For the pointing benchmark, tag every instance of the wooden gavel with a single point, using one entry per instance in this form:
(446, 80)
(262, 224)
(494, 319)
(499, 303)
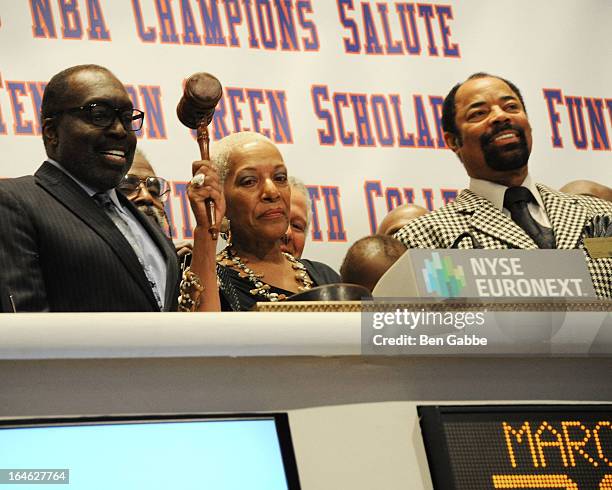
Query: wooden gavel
(195, 110)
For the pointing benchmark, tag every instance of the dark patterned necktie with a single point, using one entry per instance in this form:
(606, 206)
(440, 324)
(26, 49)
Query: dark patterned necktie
(515, 201)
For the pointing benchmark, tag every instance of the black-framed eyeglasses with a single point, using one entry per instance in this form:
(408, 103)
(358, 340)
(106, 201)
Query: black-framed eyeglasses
(102, 115)
(156, 186)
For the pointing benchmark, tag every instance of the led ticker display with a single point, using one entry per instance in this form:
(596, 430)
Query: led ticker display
(519, 447)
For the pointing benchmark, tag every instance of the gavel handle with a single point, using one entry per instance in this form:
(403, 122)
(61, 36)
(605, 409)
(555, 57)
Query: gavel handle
(203, 141)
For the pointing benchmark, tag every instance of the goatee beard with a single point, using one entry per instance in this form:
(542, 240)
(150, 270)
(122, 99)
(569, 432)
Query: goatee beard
(156, 215)
(506, 157)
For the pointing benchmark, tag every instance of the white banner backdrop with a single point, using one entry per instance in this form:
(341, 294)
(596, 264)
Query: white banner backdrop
(350, 90)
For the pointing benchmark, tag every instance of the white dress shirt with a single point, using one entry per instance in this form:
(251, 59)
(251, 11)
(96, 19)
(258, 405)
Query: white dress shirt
(494, 193)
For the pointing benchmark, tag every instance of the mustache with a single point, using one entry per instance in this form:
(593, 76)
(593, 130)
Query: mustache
(488, 137)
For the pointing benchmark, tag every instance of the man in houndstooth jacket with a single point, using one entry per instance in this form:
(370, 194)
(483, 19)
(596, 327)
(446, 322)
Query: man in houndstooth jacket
(486, 125)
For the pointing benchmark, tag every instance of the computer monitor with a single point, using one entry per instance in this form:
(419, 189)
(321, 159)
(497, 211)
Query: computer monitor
(183, 452)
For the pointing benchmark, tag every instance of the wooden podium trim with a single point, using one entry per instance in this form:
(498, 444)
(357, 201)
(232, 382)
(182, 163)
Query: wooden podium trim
(435, 304)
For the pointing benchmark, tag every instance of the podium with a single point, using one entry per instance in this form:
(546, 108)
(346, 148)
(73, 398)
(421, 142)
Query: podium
(353, 417)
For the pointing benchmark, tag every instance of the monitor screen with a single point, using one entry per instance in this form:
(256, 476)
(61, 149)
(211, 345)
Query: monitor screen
(519, 446)
(179, 452)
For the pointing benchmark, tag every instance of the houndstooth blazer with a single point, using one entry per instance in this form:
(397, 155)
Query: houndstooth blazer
(491, 229)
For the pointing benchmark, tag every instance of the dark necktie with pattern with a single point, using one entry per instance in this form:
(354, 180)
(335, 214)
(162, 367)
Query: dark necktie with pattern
(515, 201)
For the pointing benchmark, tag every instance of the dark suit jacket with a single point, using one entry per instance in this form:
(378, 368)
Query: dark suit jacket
(59, 251)
(470, 213)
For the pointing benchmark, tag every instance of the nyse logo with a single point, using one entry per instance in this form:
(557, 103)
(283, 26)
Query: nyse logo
(442, 277)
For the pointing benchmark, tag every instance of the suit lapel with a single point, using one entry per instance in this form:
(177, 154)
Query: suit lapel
(164, 244)
(76, 200)
(485, 217)
(567, 219)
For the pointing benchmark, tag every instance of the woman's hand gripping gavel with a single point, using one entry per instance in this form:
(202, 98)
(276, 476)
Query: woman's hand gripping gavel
(195, 110)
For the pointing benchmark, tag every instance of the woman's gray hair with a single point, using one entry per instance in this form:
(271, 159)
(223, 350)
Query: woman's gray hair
(221, 150)
(297, 185)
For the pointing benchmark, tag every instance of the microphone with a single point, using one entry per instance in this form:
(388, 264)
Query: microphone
(195, 110)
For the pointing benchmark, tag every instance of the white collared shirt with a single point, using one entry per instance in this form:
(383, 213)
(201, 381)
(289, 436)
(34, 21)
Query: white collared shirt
(494, 193)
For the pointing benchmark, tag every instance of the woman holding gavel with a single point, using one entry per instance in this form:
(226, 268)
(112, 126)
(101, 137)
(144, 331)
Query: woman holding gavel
(247, 180)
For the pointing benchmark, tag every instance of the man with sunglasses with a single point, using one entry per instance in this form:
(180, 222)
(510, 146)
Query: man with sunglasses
(146, 191)
(71, 242)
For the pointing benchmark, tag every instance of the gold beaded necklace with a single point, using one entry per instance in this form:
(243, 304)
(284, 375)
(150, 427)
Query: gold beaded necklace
(228, 257)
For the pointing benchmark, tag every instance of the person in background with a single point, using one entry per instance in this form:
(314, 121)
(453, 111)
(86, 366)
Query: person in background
(399, 217)
(486, 125)
(299, 219)
(70, 242)
(146, 191)
(247, 173)
(588, 188)
(369, 258)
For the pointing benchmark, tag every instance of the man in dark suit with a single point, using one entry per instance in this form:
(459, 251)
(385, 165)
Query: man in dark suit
(485, 123)
(70, 242)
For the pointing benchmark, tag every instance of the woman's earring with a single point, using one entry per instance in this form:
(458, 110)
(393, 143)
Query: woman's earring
(225, 231)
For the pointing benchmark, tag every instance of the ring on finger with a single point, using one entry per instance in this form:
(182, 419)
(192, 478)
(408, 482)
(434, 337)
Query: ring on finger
(198, 180)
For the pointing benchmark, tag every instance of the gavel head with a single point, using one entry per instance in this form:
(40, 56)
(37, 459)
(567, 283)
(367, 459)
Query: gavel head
(202, 93)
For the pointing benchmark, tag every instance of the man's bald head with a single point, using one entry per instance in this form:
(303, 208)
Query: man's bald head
(588, 188)
(399, 217)
(369, 258)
